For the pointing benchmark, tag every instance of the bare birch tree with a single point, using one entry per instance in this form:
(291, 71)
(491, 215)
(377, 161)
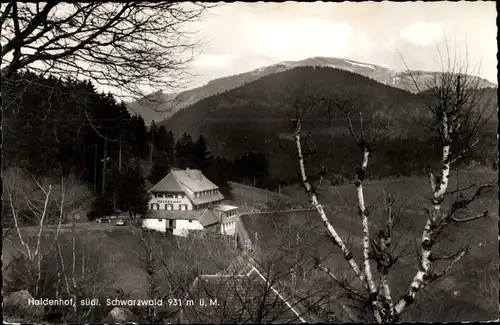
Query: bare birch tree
(455, 104)
(44, 261)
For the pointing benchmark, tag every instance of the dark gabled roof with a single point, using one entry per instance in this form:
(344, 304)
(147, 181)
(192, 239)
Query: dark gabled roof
(167, 184)
(179, 180)
(209, 217)
(193, 179)
(201, 252)
(206, 199)
(240, 296)
(188, 181)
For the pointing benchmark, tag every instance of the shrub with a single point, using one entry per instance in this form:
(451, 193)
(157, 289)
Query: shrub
(101, 206)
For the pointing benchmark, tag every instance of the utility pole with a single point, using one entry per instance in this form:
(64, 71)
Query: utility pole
(152, 146)
(95, 168)
(253, 192)
(119, 172)
(120, 157)
(104, 163)
(235, 234)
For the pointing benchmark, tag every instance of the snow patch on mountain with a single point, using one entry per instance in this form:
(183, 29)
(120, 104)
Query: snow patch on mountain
(360, 64)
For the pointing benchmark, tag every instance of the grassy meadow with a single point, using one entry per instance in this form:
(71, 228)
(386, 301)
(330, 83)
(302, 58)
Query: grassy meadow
(469, 293)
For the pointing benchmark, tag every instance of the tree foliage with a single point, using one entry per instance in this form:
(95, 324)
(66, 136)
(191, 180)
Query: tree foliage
(132, 194)
(161, 167)
(53, 125)
(253, 118)
(201, 154)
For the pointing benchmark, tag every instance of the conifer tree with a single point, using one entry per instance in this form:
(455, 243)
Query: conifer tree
(132, 194)
(161, 167)
(201, 155)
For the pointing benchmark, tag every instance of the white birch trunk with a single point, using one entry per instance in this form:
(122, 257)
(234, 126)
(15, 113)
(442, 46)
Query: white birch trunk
(37, 253)
(319, 208)
(16, 225)
(370, 282)
(420, 280)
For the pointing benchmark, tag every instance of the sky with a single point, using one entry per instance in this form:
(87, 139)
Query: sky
(240, 37)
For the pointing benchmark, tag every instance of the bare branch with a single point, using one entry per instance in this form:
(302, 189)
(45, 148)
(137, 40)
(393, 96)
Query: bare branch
(461, 155)
(439, 275)
(127, 46)
(479, 216)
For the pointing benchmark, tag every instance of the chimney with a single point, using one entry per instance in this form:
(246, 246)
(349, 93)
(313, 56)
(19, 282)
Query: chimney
(187, 171)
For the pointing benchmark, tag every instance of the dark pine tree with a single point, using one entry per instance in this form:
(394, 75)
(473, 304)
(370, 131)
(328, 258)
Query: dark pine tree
(101, 206)
(160, 143)
(170, 147)
(132, 195)
(164, 143)
(153, 129)
(218, 174)
(184, 149)
(201, 155)
(137, 137)
(161, 167)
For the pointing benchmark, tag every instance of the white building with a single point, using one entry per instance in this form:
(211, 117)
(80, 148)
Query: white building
(185, 200)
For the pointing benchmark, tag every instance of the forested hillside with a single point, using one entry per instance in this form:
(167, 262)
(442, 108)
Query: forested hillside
(254, 118)
(55, 129)
(54, 126)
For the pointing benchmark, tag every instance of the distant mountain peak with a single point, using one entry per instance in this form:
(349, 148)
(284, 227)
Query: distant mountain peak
(394, 78)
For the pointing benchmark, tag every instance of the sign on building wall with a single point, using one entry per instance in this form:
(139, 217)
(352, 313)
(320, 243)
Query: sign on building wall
(169, 201)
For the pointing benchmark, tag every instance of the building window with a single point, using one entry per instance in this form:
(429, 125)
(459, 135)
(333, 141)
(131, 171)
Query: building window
(190, 221)
(160, 220)
(169, 207)
(183, 207)
(155, 206)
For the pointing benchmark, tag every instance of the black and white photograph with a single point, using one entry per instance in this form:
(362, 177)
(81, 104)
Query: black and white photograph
(249, 162)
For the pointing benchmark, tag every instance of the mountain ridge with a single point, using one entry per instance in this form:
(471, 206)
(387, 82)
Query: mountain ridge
(160, 106)
(253, 118)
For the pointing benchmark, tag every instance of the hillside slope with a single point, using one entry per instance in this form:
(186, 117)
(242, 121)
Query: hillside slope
(253, 117)
(263, 105)
(168, 104)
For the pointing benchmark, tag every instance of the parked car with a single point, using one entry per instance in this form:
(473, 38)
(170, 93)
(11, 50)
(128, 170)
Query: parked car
(105, 219)
(120, 222)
